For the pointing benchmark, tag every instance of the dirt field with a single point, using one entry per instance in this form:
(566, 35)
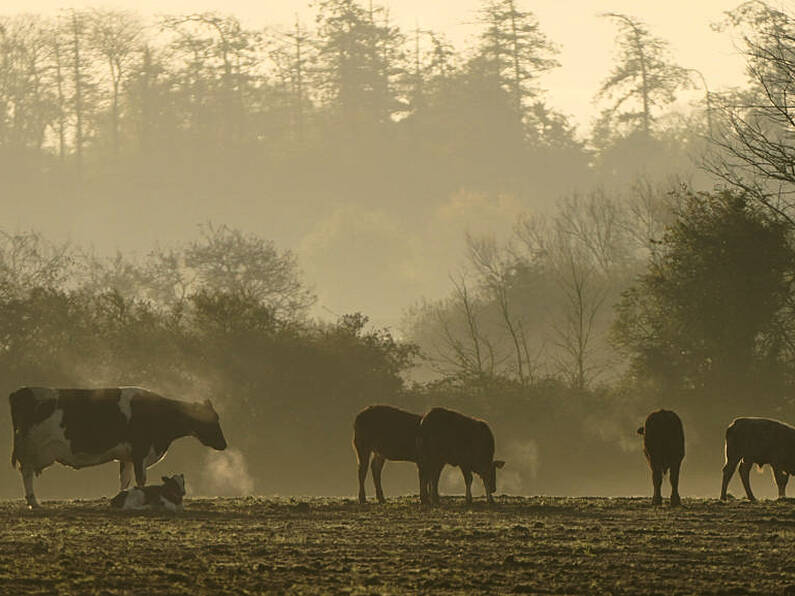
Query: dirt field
(525, 545)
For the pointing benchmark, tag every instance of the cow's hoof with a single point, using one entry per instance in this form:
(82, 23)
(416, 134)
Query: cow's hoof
(656, 502)
(676, 502)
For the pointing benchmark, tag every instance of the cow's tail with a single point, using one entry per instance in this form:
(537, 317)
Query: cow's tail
(13, 400)
(730, 440)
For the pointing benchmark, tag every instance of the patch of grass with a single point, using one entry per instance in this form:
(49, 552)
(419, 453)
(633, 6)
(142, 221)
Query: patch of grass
(524, 545)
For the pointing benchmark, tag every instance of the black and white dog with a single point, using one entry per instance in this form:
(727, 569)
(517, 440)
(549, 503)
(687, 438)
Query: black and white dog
(158, 496)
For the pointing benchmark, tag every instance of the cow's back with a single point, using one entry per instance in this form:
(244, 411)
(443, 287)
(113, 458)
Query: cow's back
(663, 438)
(456, 439)
(760, 441)
(388, 431)
(94, 420)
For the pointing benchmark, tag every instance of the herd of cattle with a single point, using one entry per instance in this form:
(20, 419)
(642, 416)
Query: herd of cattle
(86, 427)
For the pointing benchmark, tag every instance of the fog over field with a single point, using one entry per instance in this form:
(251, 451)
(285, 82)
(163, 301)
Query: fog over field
(556, 216)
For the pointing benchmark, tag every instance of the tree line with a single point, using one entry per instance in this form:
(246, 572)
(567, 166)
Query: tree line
(95, 93)
(629, 293)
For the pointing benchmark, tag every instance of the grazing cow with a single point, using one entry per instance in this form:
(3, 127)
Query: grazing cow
(447, 437)
(86, 427)
(759, 441)
(664, 447)
(387, 433)
(158, 496)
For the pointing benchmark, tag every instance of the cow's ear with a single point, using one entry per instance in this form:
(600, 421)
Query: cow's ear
(498, 463)
(640, 430)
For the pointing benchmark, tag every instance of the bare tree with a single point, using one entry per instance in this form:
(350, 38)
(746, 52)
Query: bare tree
(29, 261)
(497, 274)
(755, 142)
(460, 347)
(115, 36)
(26, 100)
(586, 251)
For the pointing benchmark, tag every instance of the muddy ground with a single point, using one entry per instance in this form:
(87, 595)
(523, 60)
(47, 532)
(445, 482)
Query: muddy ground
(520, 545)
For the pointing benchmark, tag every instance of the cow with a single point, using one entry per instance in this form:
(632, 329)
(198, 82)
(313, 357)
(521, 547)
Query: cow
(664, 447)
(388, 434)
(86, 427)
(158, 496)
(759, 441)
(448, 437)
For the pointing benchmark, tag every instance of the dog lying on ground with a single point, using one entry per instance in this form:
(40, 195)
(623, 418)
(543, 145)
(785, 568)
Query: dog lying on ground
(157, 496)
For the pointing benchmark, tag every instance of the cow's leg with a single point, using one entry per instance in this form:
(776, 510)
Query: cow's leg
(656, 479)
(728, 472)
(673, 476)
(423, 478)
(437, 472)
(27, 480)
(140, 472)
(468, 484)
(781, 477)
(376, 466)
(125, 474)
(363, 455)
(745, 469)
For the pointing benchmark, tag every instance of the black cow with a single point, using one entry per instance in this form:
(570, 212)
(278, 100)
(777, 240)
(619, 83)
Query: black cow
(664, 446)
(759, 441)
(448, 437)
(386, 433)
(86, 427)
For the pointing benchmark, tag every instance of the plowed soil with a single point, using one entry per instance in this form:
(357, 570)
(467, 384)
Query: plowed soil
(519, 545)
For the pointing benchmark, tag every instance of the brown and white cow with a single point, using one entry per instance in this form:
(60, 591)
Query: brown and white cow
(166, 496)
(759, 441)
(86, 427)
(664, 447)
(448, 437)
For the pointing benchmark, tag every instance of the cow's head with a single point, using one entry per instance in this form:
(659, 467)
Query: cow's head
(208, 428)
(490, 476)
(175, 484)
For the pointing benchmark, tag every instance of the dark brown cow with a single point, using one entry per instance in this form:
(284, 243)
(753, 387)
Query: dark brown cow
(386, 433)
(664, 446)
(759, 441)
(86, 427)
(448, 437)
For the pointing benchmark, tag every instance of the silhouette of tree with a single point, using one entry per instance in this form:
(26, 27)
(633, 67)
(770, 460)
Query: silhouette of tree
(711, 313)
(359, 57)
(115, 36)
(755, 144)
(643, 79)
(514, 50)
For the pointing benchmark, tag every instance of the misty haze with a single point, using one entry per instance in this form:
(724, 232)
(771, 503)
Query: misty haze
(281, 217)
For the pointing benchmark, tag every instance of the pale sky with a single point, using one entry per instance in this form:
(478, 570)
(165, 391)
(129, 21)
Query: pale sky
(586, 41)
